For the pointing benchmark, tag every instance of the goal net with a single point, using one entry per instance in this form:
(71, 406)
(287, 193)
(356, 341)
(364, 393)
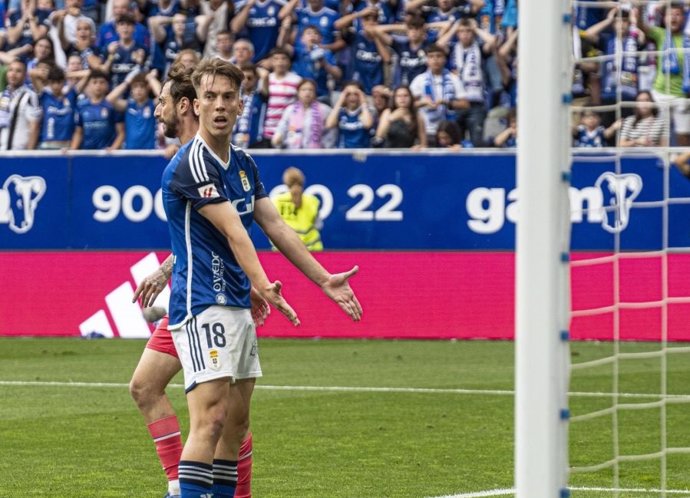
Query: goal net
(630, 292)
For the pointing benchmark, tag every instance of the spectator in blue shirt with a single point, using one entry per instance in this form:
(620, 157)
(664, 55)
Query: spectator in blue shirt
(125, 54)
(248, 129)
(98, 125)
(259, 21)
(313, 61)
(59, 105)
(138, 109)
(108, 31)
(352, 118)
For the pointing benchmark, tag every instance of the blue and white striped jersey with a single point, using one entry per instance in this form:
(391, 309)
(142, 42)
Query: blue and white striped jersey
(205, 271)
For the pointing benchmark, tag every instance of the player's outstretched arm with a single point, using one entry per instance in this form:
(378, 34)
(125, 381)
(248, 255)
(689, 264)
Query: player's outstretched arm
(225, 218)
(336, 286)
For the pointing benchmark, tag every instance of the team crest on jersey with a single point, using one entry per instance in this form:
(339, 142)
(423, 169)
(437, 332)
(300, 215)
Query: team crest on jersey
(221, 299)
(245, 181)
(215, 360)
(104, 113)
(147, 112)
(271, 11)
(208, 191)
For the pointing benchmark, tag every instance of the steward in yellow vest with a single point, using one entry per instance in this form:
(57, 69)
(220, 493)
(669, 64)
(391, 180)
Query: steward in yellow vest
(299, 210)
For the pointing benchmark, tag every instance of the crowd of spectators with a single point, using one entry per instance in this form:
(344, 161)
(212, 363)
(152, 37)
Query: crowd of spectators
(84, 74)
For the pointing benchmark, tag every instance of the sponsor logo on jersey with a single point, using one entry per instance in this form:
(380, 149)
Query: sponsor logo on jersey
(208, 191)
(19, 199)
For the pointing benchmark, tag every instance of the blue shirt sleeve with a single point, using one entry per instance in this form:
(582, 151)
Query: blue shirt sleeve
(197, 179)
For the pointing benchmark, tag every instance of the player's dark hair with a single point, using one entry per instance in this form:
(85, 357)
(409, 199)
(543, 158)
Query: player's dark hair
(181, 85)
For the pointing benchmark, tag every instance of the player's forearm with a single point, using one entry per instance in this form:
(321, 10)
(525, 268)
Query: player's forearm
(291, 246)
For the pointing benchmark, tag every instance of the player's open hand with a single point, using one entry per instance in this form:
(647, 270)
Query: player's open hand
(260, 308)
(149, 288)
(337, 287)
(271, 293)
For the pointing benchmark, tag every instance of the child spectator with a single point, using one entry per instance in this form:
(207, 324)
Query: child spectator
(138, 109)
(352, 118)
(248, 130)
(316, 14)
(401, 126)
(314, 62)
(303, 121)
(590, 133)
(448, 136)
(98, 125)
(59, 105)
(282, 91)
(260, 22)
(438, 92)
(125, 54)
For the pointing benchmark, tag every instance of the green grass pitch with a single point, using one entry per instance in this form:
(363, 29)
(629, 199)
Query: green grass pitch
(457, 437)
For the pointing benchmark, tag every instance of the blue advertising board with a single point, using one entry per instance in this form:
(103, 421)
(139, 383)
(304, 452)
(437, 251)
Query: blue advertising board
(379, 200)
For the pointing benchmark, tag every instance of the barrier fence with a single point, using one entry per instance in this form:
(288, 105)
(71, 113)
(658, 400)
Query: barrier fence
(433, 234)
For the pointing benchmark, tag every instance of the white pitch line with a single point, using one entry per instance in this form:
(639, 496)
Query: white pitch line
(634, 490)
(355, 389)
(505, 492)
(481, 494)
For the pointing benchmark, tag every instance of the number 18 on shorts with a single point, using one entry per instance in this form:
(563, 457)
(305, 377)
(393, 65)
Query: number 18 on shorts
(218, 342)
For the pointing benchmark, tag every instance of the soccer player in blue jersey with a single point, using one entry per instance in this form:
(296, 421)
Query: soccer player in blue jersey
(212, 193)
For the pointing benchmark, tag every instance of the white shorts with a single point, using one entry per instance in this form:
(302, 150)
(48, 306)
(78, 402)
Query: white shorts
(680, 111)
(218, 342)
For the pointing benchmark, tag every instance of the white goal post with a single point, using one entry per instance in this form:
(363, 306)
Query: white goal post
(542, 283)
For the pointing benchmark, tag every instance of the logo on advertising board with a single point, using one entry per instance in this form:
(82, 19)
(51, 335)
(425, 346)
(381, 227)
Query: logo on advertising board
(19, 198)
(621, 191)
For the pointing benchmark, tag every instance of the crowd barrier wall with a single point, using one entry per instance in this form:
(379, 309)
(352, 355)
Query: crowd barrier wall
(433, 234)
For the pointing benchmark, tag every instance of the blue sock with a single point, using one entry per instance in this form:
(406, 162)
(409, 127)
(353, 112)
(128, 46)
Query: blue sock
(224, 478)
(196, 479)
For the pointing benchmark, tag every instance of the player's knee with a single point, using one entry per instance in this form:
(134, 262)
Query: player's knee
(141, 392)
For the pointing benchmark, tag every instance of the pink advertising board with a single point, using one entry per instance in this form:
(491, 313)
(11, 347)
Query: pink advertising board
(407, 295)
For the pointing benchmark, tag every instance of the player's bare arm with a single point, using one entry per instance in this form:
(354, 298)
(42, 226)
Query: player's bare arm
(149, 288)
(225, 218)
(335, 286)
